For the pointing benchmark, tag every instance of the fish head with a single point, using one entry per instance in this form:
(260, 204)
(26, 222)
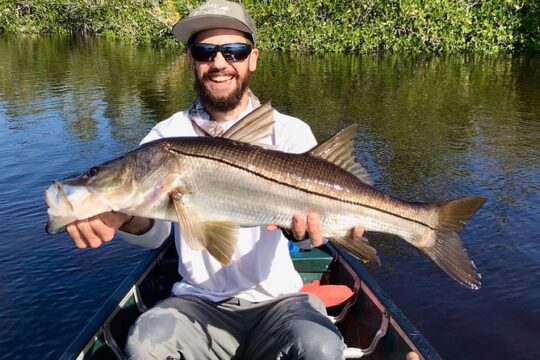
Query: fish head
(106, 187)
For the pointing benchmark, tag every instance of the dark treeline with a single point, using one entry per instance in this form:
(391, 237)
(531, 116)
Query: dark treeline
(367, 26)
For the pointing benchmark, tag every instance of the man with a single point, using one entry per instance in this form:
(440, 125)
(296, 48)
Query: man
(251, 308)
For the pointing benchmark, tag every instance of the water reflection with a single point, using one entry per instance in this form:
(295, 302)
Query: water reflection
(92, 84)
(431, 128)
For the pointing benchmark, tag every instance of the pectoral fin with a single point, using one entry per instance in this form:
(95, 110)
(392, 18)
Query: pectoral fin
(358, 247)
(217, 236)
(222, 237)
(191, 226)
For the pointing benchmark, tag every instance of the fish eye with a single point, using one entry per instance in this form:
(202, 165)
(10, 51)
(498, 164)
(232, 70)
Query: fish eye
(93, 171)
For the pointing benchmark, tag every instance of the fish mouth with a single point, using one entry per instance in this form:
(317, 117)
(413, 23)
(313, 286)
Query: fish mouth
(51, 229)
(58, 203)
(56, 198)
(61, 199)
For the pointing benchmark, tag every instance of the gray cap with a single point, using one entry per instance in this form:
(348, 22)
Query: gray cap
(215, 14)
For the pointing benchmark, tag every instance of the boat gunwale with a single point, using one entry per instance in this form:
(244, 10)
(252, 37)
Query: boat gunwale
(94, 328)
(398, 320)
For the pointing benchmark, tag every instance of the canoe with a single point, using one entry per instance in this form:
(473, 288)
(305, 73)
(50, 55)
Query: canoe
(372, 325)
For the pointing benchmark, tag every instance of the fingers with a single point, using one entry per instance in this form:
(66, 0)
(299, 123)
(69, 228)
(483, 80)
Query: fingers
(310, 226)
(89, 235)
(73, 231)
(94, 231)
(83, 233)
(314, 228)
(299, 226)
(358, 234)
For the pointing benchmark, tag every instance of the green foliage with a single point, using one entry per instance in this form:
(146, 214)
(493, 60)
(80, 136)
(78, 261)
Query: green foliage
(360, 26)
(397, 25)
(141, 21)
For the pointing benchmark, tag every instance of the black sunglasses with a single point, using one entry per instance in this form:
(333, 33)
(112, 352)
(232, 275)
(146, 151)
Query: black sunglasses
(231, 52)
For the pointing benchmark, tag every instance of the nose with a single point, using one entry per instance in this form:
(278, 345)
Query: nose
(219, 61)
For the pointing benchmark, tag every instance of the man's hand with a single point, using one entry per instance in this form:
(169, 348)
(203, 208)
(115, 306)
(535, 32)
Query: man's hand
(311, 227)
(96, 230)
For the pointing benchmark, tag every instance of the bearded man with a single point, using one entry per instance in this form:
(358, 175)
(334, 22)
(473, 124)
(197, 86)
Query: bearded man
(251, 308)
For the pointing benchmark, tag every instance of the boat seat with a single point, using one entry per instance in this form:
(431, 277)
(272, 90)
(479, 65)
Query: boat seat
(337, 298)
(330, 295)
(313, 266)
(334, 295)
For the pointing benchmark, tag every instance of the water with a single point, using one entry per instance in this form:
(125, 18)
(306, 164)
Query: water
(430, 129)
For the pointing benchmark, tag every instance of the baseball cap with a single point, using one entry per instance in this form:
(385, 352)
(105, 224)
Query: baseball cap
(215, 14)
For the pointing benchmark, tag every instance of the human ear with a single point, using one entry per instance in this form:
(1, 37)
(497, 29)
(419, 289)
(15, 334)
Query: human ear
(190, 60)
(253, 57)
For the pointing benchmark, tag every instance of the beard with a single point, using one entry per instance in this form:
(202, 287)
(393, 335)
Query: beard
(220, 103)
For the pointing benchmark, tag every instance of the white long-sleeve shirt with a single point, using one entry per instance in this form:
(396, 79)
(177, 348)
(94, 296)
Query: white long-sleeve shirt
(261, 267)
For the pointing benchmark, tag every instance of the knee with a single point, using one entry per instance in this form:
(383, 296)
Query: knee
(154, 326)
(316, 341)
(152, 334)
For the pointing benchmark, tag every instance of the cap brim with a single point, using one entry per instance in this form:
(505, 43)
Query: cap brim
(186, 28)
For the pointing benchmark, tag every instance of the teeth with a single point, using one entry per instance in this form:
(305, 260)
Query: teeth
(222, 78)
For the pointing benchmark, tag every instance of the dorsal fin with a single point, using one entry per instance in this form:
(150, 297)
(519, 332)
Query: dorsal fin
(253, 127)
(339, 150)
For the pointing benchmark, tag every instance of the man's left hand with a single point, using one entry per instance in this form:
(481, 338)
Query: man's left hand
(310, 227)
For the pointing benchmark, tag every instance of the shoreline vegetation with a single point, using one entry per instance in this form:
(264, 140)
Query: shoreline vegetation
(317, 26)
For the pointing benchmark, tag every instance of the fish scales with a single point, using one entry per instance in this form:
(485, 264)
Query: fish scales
(312, 177)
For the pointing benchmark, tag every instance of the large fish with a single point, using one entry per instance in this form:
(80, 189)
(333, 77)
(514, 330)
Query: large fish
(213, 186)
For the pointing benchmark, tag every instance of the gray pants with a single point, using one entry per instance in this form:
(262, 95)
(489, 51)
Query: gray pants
(191, 328)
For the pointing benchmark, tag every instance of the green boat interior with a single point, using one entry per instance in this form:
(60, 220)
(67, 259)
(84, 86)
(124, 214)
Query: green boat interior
(372, 326)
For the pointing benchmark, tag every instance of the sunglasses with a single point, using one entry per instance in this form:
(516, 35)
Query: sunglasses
(231, 52)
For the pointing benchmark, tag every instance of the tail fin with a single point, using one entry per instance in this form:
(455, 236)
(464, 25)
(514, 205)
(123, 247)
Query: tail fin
(448, 251)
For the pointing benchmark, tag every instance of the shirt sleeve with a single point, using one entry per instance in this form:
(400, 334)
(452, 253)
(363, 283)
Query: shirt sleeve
(153, 238)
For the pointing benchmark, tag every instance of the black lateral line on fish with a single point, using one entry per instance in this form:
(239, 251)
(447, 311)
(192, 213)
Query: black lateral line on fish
(297, 188)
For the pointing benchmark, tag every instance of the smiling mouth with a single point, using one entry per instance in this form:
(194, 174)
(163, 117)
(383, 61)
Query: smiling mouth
(221, 78)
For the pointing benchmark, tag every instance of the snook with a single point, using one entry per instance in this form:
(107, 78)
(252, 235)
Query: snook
(213, 186)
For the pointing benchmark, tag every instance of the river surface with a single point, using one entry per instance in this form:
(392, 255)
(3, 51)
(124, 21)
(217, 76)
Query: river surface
(430, 129)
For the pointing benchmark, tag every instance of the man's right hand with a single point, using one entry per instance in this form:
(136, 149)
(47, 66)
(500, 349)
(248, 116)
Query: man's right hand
(96, 230)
